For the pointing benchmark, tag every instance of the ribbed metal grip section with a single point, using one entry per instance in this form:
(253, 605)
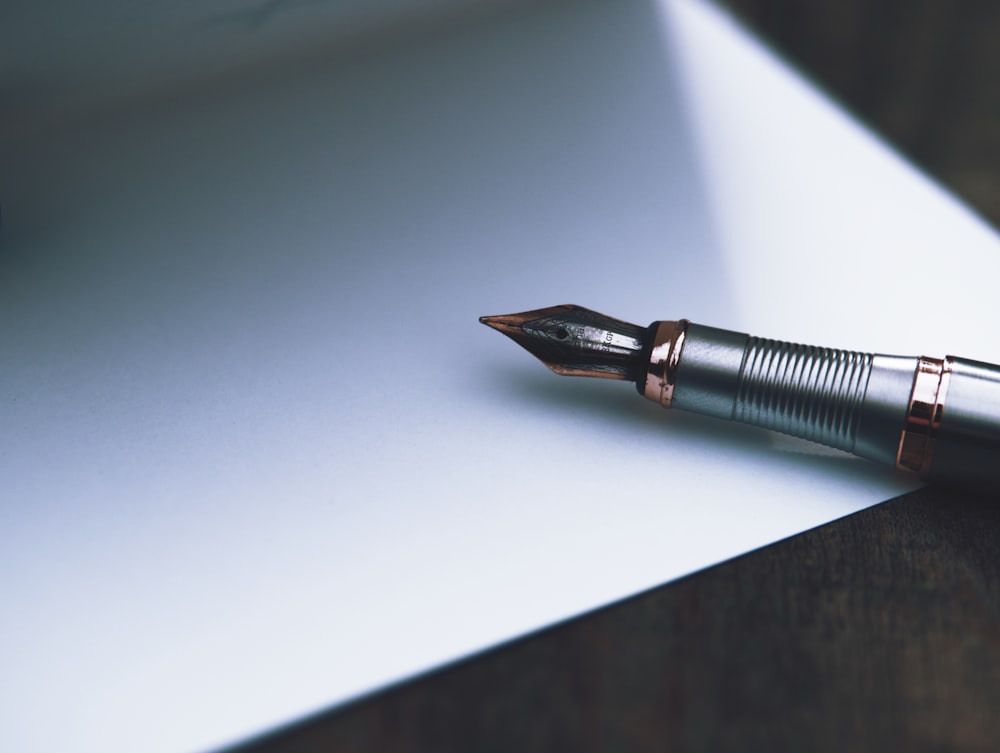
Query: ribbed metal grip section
(808, 392)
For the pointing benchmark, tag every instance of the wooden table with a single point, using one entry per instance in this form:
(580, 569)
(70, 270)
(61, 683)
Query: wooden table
(880, 631)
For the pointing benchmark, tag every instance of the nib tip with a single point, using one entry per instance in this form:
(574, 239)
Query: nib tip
(575, 341)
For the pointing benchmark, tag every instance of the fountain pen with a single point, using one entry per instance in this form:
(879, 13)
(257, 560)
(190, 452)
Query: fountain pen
(939, 418)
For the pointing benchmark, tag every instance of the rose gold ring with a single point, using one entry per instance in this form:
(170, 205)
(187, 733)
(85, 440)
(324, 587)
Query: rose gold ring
(923, 417)
(663, 361)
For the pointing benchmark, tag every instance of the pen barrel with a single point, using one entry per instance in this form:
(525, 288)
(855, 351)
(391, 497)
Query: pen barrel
(806, 391)
(937, 417)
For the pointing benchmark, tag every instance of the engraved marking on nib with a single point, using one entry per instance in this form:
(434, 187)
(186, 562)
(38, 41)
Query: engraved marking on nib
(575, 341)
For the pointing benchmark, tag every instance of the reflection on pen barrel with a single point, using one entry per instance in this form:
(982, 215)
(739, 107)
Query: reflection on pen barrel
(938, 418)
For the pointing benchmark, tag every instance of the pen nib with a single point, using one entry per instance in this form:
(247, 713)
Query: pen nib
(575, 341)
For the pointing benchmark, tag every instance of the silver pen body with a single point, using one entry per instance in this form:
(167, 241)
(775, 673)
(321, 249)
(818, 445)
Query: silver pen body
(937, 417)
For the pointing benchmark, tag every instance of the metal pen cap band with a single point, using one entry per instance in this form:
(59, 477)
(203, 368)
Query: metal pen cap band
(923, 416)
(664, 357)
(955, 423)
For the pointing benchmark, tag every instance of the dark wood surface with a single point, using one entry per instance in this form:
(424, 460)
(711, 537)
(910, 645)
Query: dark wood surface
(880, 631)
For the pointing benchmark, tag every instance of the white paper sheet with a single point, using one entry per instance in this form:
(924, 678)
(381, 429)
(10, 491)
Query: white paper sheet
(260, 457)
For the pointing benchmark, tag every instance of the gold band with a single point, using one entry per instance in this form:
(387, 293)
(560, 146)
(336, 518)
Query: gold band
(663, 361)
(923, 417)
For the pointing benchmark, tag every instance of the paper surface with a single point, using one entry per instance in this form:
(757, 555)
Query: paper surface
(260, 457)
